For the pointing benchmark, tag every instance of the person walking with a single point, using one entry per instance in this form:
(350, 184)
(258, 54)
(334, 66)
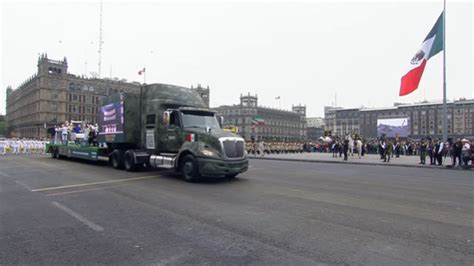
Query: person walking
(388, 151)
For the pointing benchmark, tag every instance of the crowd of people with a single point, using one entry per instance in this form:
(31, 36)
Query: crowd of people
(460, 151)
(273, 147)
(74, 132)
(17, 146)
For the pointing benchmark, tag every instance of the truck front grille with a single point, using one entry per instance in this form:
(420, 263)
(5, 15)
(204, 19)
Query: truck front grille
(234, 148)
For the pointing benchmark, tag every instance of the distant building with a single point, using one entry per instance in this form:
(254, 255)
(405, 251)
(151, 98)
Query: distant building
(263, 123)
(204, 92)
(424, 119)
(314, 128)
(52, 96)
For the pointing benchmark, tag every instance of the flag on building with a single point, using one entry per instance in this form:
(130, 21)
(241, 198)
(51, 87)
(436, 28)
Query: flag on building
(259, 121)
(432, 45)
(277, 98)
(141, 71)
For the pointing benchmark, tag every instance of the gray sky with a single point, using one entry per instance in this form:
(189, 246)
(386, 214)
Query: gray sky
(305, 52)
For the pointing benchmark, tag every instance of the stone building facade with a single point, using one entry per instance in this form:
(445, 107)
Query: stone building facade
(263, 123)
(314, 128)
(424, 119)
(52, 96)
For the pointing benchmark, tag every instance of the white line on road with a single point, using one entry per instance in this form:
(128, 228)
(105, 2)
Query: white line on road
(94, 183)
(23, 185)
(82, 190)
(79, 217)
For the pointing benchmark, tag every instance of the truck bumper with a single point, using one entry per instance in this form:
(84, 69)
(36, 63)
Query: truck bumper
(214, 167)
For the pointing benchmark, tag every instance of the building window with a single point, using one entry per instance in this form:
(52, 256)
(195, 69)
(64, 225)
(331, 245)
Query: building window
(54, 107)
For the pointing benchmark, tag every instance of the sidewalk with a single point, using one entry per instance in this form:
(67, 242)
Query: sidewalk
(367, 159)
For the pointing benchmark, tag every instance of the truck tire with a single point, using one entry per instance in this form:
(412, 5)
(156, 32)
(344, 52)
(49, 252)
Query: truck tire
(54, 153)
(129, 162)
(189, 168)
(116, 159)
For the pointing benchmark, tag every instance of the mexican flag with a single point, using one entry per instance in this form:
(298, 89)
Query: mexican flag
(258, 121)
(432, 45)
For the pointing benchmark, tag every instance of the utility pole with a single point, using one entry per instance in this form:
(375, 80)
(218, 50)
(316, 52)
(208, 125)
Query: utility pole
(100, 39)
(445, 109)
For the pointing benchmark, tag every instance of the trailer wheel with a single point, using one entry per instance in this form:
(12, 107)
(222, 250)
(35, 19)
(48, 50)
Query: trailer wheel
(129, 161)
(116, 159)
(189, 169)
(54, 153)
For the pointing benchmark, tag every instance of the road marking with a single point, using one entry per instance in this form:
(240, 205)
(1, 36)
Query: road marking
(23, 185)
(82, 190)
(79, 217)
(94, 183)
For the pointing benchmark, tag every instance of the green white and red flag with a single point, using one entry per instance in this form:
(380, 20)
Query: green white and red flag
(432, 45)
(259, 121)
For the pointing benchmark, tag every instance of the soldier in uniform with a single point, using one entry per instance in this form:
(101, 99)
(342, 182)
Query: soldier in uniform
(388, 151)
(422, 151)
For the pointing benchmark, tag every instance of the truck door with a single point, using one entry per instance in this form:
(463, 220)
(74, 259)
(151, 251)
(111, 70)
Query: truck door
(150, 132)
(172, 134)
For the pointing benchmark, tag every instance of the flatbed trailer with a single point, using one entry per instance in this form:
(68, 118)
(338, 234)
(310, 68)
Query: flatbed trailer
(91, 153)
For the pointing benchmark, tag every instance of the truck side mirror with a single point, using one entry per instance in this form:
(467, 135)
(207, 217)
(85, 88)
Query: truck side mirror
(221, 120)
(166, 118)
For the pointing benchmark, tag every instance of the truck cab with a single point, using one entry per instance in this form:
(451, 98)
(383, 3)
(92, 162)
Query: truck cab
(192, 141)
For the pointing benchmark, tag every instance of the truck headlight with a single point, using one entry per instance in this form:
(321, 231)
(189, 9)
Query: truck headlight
(208, 153)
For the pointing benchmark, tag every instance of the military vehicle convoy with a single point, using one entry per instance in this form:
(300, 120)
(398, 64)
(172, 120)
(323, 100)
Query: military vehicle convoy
(164, 126)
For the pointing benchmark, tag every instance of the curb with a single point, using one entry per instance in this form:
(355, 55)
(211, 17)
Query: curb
(360, 163)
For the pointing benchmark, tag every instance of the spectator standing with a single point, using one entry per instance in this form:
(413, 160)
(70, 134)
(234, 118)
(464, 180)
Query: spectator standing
(64, 130)
(359, 147)
(457, 151)
(345, 148)
(439, 152)
(431, 152)
(466, 151)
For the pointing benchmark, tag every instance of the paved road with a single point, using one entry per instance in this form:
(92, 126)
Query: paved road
(64, 212)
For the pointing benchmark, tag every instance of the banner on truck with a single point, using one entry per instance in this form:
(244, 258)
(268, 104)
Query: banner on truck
(111, 118)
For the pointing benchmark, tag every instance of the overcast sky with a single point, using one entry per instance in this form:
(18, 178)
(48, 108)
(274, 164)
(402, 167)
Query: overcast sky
(305, 52)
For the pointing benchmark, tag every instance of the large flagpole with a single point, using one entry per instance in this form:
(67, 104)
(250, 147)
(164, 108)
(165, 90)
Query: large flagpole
(445, 109)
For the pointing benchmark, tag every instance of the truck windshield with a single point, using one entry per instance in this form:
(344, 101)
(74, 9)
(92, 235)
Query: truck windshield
(199, 119)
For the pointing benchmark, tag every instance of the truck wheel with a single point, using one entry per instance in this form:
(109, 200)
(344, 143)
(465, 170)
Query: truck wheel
(129, 162)
(116, 159)
(189, 169)
(54, 153)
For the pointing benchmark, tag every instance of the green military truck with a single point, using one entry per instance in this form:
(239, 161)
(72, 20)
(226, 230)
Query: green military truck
(164, 126)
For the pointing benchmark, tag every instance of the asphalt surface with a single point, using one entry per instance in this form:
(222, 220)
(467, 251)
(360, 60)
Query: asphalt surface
(60, 212)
